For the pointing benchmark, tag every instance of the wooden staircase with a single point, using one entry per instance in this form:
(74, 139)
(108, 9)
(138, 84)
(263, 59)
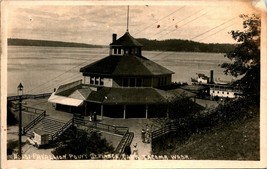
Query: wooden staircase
(127, 136)
(53, 127)
(125, 141)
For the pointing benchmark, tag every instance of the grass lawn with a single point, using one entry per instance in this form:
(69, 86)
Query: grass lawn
(239, 140)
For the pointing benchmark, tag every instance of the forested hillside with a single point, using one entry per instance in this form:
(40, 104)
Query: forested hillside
(164, 45)
(29, 42)
(184, 46)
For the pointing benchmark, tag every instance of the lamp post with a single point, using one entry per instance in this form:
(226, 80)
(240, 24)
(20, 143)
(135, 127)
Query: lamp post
(20, 93)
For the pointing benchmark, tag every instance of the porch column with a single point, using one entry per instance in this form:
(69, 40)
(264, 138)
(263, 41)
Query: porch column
(102, 111)
(167, 111)
(85, 109)
(124, 111)
(146, 111)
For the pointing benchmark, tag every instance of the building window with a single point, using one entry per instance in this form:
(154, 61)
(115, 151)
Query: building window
(138, 82)
(101, 81)
(126, 51)
(218, 92)
(125, 82)
(132, 82)
(213, 91)
(222, 92)
(115, 50)
(96, 80)
(132, 51)
(92, 80)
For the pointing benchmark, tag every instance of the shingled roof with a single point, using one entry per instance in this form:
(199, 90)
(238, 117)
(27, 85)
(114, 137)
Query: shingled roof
(127, 40)
(111, 96)
(126, 65)
(135, 95)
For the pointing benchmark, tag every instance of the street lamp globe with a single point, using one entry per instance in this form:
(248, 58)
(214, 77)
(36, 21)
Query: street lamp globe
(20, 89)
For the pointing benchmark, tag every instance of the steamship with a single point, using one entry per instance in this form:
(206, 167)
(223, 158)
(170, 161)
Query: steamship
(217, 88)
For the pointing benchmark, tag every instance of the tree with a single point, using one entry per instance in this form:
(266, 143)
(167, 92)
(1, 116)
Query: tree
(246, 55)
(84, 143)
(178, 106)
(11, 119)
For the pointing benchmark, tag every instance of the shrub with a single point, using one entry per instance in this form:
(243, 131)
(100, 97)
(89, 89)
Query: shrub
(84, 143)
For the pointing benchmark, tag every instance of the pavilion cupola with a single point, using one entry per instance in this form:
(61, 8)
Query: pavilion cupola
(125, 45)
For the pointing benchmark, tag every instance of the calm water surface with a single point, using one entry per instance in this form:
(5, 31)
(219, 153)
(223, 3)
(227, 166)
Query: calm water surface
(41, 69)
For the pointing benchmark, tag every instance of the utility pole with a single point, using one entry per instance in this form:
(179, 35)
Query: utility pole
(20, 93)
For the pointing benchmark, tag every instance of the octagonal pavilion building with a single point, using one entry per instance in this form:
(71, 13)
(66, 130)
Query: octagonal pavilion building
(124, 84)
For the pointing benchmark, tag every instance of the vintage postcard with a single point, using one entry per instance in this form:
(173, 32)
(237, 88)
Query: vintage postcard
(136, 84)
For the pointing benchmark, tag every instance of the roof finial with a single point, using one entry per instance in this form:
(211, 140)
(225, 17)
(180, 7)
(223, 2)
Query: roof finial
(127, 18)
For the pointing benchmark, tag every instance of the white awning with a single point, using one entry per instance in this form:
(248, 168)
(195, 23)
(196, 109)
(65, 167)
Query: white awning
(64, 100)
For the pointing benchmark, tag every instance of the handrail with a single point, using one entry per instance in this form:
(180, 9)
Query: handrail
(28, 96)
(164, 130)
(62, 129)
(34, 110)
(121, 130)
(118, 148)
(126, 140)
(27, 108)
(33, 122)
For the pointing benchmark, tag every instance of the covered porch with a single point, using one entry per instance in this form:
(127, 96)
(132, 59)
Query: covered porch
(128, 111)
(132, 102)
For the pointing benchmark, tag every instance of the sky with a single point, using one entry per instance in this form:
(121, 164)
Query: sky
(95, 24)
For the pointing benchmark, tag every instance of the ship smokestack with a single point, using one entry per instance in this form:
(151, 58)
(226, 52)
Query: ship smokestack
(114, 37)
(211, 76)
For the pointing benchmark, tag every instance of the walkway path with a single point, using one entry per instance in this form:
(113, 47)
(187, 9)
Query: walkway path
(134, 125)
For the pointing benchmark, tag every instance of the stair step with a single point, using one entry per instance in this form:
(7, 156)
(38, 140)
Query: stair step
(48, 125)
(52, 127)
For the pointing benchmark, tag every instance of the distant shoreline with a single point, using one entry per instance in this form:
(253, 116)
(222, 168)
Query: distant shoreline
(47, 43)
(171, 45)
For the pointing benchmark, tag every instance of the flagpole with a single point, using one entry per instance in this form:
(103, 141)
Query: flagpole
(127, 18)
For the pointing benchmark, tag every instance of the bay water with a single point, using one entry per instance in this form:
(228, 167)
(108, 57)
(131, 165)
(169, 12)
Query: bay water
(41, 69)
